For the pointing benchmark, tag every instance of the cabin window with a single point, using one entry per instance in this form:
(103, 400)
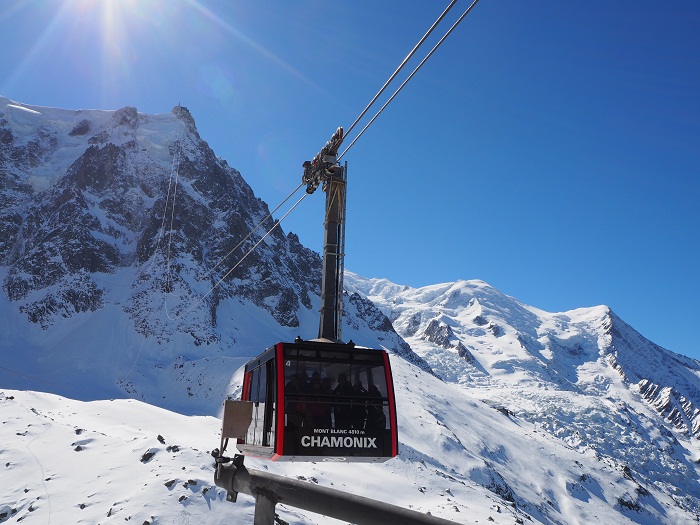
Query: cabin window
(332, 394)
(262, 394)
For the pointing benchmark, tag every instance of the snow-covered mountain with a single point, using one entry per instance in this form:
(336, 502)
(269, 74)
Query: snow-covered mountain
(475, 336)
(116, 229)
(121, 227)
(583, 376)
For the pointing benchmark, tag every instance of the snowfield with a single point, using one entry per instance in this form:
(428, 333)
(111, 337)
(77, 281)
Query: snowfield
(461, 459)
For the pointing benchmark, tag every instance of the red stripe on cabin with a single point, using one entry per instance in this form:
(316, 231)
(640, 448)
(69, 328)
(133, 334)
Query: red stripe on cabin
(245, 396)
(392, 407)
(279, 412)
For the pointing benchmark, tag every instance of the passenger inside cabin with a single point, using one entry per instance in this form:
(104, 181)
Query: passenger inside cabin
(295, 410)
(342, 409)
(376, 419)
(319, 409)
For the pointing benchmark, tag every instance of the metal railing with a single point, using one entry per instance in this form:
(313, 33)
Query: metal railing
(270, 489)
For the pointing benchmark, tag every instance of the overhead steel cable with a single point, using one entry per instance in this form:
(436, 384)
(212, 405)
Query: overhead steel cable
(362, 114)
(251, 233)
(174, 169)
(435, 47)
(172, 221)
(277, 223)
(398, 69)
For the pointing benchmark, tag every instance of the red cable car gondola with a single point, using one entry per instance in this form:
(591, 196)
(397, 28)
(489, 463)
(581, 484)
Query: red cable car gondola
(320, 399)
(314, 400)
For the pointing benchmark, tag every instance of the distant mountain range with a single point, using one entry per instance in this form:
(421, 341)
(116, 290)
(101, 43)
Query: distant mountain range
(118, 234)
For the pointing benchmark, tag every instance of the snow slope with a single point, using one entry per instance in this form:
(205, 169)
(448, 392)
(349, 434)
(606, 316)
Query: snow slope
(68, 461)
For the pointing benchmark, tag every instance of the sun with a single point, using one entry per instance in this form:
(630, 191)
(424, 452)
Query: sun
(108, 41)
(114, 18)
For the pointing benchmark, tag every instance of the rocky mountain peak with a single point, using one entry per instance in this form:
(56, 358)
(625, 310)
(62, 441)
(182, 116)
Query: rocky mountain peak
(182, 113)
(126, 116)
(134, 214)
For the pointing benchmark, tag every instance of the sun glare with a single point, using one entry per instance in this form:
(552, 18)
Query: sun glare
(111, 36)
(121, 49)
(112, 16)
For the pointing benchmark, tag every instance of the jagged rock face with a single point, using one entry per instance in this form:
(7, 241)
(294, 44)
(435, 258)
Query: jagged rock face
(46, 250)
(672, 405)
(442, 335)
(14, 190)
(162, 204)
(375, 320)
(667, 381)
(439, 333)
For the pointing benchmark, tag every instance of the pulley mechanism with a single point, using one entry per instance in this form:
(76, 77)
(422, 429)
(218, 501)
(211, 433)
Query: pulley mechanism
(323, 165)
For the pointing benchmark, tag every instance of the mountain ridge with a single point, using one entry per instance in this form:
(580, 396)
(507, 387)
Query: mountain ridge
(561, 340)
(136, 214)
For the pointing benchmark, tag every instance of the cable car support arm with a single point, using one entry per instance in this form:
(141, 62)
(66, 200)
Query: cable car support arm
(325, 170)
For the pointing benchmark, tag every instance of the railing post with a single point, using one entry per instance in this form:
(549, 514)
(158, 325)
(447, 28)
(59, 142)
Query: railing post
(265, 502)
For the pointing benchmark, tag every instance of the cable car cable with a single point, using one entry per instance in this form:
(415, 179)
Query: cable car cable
(449, 31)
(374, 99)
(177, 170)
(277, 223)
(398, 69)
(172, 220)
(174, 167)
(250, 233)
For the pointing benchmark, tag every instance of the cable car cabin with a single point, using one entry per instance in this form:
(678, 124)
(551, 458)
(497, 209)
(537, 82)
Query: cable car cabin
(320, 401)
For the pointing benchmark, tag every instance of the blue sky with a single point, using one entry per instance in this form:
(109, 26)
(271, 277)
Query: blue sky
(549, 148)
